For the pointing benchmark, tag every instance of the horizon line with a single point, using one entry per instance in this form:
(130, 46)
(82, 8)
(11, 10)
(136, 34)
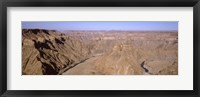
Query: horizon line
(95, 30)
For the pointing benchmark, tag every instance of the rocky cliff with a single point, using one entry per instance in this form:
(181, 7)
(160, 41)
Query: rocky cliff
(48, 51)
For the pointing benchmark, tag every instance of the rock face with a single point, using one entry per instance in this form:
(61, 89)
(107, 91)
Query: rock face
(49, 52)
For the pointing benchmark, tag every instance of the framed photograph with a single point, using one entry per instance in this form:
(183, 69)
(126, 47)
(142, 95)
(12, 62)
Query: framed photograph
(64, 48)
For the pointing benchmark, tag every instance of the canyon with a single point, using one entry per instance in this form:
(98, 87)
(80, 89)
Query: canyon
(99, 52)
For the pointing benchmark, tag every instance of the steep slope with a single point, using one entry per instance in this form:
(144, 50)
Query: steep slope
(48, 51)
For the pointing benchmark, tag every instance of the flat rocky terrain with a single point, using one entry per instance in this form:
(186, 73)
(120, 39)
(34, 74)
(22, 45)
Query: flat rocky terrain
(113, 52)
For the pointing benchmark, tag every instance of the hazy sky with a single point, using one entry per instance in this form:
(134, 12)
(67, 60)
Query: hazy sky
(101, 25)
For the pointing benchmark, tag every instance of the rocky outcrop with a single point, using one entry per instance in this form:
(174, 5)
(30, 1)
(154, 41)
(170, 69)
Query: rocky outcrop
(48, 51)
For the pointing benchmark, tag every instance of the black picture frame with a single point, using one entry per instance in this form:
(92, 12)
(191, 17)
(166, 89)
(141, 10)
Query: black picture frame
(99, 3)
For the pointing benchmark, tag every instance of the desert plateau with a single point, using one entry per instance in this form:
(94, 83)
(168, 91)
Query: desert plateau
(99, 52)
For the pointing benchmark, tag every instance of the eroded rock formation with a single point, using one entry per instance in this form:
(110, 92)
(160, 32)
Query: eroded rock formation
(47, 52)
